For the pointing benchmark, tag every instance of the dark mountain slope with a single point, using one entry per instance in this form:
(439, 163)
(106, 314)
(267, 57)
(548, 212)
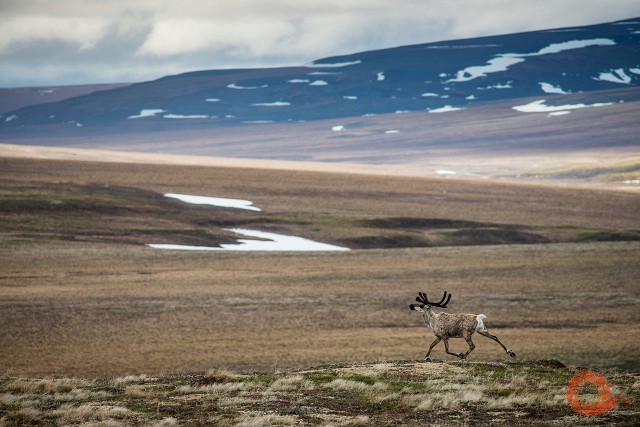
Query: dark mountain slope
(15, 98)
(441, 76)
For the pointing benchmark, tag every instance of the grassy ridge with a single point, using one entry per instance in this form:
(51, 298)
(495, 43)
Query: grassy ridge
(384, 393)
(619, 170)
(121, 214)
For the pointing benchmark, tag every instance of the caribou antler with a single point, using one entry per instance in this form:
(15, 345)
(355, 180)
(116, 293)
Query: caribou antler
(422, 298)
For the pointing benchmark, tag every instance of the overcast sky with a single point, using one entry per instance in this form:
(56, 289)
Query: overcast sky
(54, 42)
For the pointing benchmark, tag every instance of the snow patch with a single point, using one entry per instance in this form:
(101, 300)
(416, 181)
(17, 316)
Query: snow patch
(235, 86)
(271, 104)
(337, 128)
(549, 88)
(214, 201)
(445, 172)
(318, 83)
(570, 45)
(257, 122)
(615, 76)
(501, 86)
(11, 117)
(334, 65)
(428, 94)
(147, 113)
(494, 65)
(212, 100)
(540, 107)
(181, 116)
(391, 131)
(380, 77)
(445, 109)
(559, 113)
(273, 242)
(503, 61)
(350, 97)
(298, 81)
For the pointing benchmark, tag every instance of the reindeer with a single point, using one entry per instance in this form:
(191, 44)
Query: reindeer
(445, 325)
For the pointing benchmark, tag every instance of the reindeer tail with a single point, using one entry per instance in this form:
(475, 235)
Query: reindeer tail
(480, 320)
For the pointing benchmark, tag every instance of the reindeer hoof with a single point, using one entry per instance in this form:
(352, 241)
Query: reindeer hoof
(461, 355)
(427, 359)
(511, 353)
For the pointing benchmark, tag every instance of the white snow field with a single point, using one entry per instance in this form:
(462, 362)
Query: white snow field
(334, 65)
(215, 201)
(503, 61)
(615, 76)
(549, 88)
(270, 242)
(235, 86)
(147, 113)
(181, 116)
(445, 109)
(540, 107)
(271, 104)
(273, 242)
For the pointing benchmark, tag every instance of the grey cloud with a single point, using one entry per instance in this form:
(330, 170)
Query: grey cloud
(91, 41)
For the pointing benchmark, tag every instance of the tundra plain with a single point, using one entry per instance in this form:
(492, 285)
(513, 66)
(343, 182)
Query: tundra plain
(554, 268)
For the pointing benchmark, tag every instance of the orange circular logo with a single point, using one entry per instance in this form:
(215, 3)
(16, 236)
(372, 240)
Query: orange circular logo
(605, 402)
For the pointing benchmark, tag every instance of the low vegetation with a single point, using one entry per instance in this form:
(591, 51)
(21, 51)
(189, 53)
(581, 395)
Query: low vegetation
(384, 393)
(122, 214)
(621, 171)
(554, 269)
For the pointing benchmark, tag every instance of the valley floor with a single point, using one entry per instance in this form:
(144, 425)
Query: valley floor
(554, 269)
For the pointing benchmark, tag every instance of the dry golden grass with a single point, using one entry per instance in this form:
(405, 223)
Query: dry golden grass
(165, 312)
(79, 303)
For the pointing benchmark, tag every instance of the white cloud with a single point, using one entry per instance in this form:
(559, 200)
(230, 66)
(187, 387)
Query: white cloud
(82, 32)
(81, 41)
(252, 37)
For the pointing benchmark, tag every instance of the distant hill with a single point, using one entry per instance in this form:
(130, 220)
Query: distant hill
(570, 93)
(16, 98)
(438, 77)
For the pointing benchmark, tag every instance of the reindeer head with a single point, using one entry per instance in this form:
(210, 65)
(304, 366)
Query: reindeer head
(425, 304)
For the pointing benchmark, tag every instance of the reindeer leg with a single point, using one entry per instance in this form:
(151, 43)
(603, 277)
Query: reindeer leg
(426, 358)
(471, 346)
(446, 348)
(495, 338)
